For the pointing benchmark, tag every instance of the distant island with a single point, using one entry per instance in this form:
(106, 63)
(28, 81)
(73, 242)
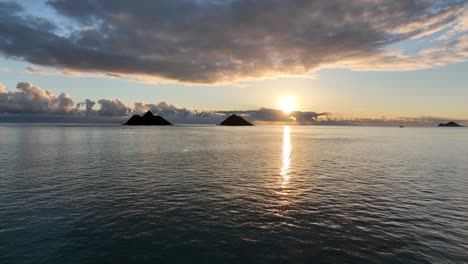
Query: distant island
(148, 119)
(235, 120)
(450, 124)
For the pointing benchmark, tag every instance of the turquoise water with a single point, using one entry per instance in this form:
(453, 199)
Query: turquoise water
(207, 194)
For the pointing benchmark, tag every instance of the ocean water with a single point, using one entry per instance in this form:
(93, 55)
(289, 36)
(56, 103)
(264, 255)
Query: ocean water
(207, 194)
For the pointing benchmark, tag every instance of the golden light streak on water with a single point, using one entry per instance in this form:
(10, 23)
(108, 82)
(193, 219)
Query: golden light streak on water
(286, 161)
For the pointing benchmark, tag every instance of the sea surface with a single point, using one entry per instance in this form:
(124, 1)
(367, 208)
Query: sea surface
(210, 194)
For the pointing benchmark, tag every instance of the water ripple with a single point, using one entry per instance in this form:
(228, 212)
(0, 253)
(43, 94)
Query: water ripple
(229, 195)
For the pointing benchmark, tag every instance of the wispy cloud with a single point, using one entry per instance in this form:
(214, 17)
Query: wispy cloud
(68, 72)
(40, 71)
(229, 41)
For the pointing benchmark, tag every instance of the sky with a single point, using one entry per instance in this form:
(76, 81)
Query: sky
(195, 61)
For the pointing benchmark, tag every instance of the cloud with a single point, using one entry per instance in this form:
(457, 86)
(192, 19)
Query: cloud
(422, 121)
(10, 8)
(113, 108)
(31, 103)
(184, 115)
(32, 99)
(273, 115)
(180, 114)
(450, 51)
(460, 27)
(210, 41)
(69, 72)
(88, 107)
(36, 70)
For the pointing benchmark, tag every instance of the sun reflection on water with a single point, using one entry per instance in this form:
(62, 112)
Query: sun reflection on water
(286, 162)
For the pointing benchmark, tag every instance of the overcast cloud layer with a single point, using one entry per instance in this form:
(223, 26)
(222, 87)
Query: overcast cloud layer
(211, 41)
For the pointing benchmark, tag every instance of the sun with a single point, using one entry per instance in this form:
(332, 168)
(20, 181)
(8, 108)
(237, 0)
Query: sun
(287, 105)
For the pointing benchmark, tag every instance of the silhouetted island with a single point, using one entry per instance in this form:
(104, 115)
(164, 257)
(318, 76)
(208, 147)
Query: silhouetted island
(449, 124)
(148, 119)
(235, 120)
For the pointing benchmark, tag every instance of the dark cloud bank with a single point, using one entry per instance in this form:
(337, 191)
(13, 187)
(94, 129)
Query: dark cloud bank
(30, 103)
(212, 41)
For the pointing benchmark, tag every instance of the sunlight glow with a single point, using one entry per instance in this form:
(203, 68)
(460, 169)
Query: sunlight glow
(287, 105)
